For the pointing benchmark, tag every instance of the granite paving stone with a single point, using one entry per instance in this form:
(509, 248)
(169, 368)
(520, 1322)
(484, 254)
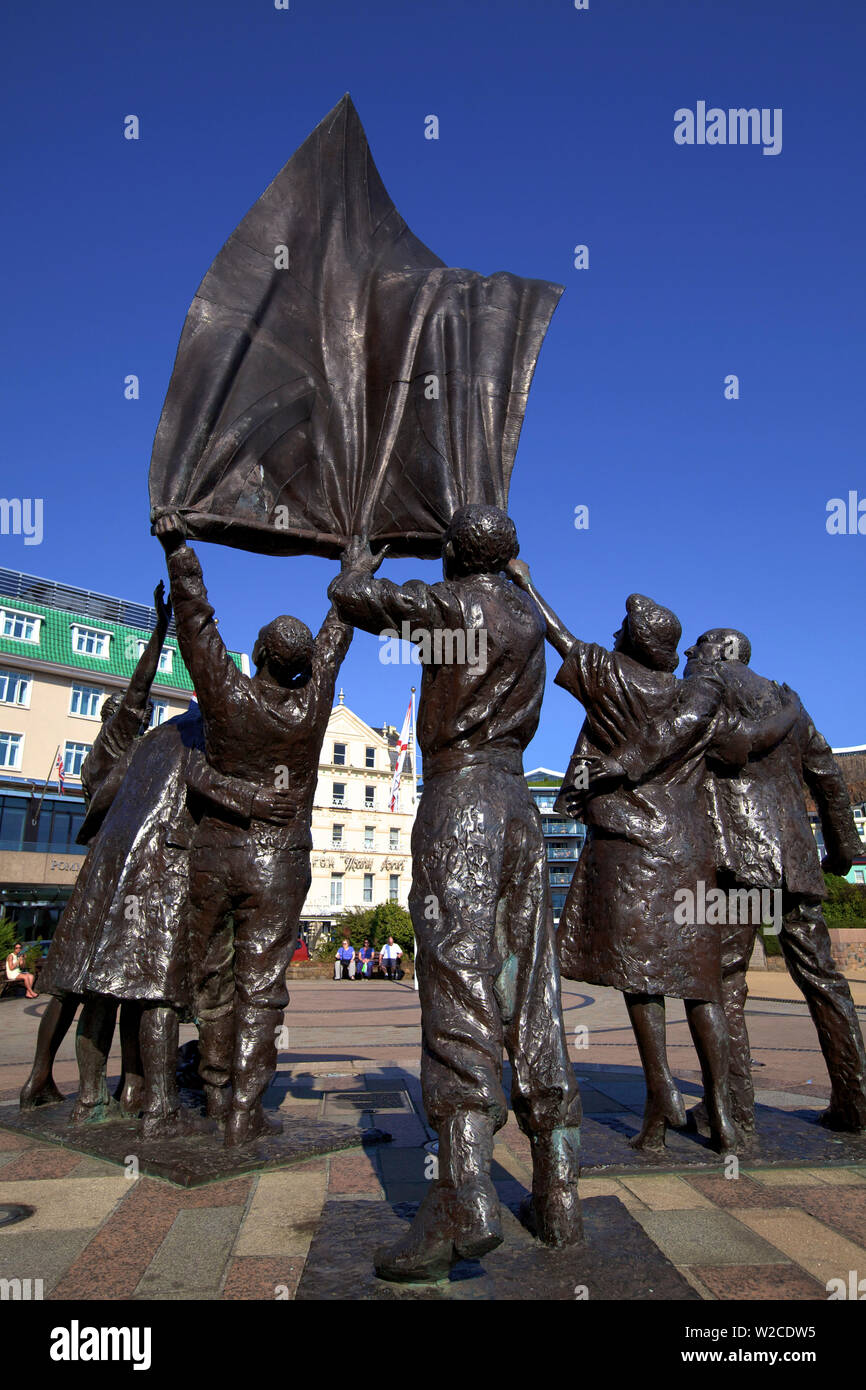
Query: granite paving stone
(707, 1237)
(283, 1215)
(760, 1282)
(838, 1177)
(40, 1161)
(734, 1192)
(252, 1277)
(71, 1205)
(193, 1254)
(664, 1192)
(44, 1254)
(821, 1252)
(354, 1173)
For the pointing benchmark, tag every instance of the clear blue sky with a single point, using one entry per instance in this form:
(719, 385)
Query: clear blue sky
(556, 128)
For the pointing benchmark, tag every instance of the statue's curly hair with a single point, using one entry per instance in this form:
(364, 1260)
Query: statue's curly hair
(654, 632)
(483, 538)
(287, 642)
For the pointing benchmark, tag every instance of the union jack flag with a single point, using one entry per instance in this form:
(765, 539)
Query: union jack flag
(61, 773)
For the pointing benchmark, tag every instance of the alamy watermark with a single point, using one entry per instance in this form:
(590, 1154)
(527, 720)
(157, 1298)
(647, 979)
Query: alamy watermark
(846, 517)
(441, 646)
(22, 516)
(736, 126)
(760, 907)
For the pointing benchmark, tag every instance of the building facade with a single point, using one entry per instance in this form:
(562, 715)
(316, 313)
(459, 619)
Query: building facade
(563, 838)
(361, 848)
(63, 651)
(852, 762)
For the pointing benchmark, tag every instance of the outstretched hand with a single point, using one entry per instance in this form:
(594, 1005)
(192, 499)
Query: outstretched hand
(358, 556)
(169, 532)
(162, 605)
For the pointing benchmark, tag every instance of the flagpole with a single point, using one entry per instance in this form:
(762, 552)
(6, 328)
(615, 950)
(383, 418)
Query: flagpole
(35, 816)
(415, 811)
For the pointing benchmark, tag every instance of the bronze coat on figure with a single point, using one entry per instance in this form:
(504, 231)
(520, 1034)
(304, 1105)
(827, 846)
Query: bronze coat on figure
(646, 839)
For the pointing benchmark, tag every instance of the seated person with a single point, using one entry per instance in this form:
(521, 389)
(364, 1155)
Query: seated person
(15, 972)
(365, 961)
(389, 959)
(344, 965)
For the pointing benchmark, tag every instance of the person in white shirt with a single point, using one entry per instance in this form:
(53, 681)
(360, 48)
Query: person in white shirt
(389, 958)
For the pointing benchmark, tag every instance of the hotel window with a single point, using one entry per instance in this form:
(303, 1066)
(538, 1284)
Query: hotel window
(10, 750)
(86, 701)
(368, 888)
(339, 755)
(73, 756)
(369, 757)
(166, 657)
(338, 793)
(336, 890)
(369, 836)
(336, 834)
(393, 886)
(15, 689)
(90, 641)
(369, 798)
(158, 714)
(23, 627)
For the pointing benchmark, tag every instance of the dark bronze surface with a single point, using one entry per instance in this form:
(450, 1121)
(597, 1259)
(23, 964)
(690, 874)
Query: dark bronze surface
(195, 1157)
(365, 388)
(617, 1261)
(486, 959)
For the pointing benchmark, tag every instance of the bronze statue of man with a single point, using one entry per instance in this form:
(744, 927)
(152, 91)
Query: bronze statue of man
(644, 742)
(480, 900)
(123, 933)
(248, 880)
(764, 841)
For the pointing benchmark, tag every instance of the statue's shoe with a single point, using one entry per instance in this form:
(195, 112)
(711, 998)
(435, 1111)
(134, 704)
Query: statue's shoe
(160, 1126)
(218, 1101)
(83, 1114)
(450, 1225)
(33, 1096)
(670, 1113)
(477, 1218)
(426, 1252)
(243, 1126)
(555, 1218)
(131, 1099)
(843, 1121)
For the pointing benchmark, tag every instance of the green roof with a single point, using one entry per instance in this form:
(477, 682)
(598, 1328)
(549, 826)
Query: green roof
(55, 645)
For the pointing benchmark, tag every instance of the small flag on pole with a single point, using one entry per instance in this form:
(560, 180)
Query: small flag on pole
(402, 748)
(61, 774)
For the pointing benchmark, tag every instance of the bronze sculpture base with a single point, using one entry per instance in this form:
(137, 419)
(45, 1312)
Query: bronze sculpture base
(195, 1157)
(617, 1261)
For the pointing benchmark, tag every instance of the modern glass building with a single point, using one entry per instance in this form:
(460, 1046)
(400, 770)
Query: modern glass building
(63, 650)
(563, 838)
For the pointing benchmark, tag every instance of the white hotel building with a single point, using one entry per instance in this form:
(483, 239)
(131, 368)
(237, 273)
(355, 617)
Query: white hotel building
(361, 849)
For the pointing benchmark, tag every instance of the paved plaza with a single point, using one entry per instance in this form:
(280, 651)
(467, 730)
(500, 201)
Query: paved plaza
(353, 1057)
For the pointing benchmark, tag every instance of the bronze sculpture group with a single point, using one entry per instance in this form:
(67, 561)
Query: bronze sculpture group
(198, 832)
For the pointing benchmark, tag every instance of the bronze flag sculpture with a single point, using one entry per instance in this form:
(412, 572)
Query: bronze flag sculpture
(334, 377)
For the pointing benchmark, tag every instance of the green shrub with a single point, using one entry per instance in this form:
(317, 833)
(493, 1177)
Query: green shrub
(375, 923)
(8, 936)
(845, 905)
(390, 919)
